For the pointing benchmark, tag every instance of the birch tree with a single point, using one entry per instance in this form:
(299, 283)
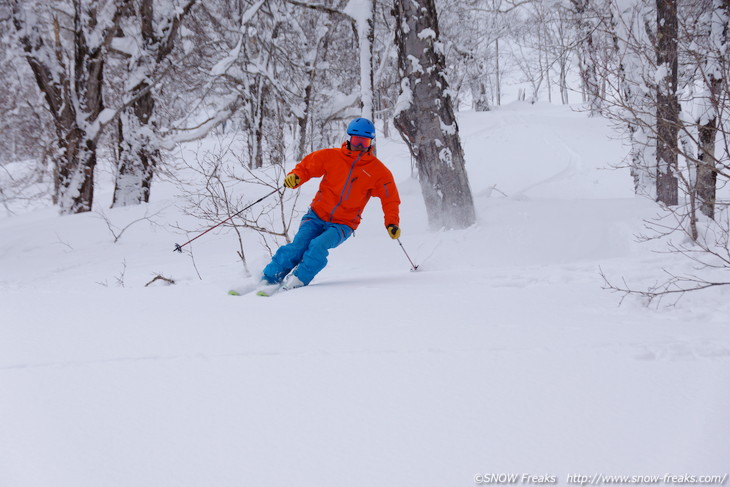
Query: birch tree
(425, 116)
(667, 106)
(361, 15)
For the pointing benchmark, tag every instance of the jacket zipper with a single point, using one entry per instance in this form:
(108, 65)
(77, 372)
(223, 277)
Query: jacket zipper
(344, 188)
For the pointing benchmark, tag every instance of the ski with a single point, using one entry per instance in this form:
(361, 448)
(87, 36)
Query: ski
(242, 290)
(267, 290)
(267, 293)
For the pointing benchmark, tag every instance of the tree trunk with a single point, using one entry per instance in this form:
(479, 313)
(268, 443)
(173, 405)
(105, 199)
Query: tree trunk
(667, 108)
(303, 121)
(548, 80)
(564, 93)
(366, 38)
(706, 182)
(425, 116)
(75, 104)
(497, 77)
(256, 131)
(633, 32)
(481, 97)
(587, 57)
(74, 172)
(138, 152)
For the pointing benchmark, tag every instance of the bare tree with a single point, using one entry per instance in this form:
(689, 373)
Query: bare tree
(471, 31)
(361, 15)
(692, 150)
(148, 38)
(221, 185)
(629, 98)
(587, 53)
(425, 116)
(713, 69)
(366, 42)
(67, 56)
(667, 106)
(27, 130)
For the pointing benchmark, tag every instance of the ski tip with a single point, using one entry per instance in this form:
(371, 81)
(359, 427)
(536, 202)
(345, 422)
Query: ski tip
(263, 294)
(233, 293)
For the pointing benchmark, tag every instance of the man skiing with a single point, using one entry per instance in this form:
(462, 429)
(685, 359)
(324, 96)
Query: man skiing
(350, 176)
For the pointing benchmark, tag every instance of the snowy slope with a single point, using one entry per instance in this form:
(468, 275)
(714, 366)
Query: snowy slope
(502, 355)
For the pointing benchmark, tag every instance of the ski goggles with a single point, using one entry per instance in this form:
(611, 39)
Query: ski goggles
(358, 142)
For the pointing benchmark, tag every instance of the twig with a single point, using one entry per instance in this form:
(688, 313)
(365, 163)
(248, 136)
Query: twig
(66, 244)
(160, 277)
(494, 188)
(116, 233)
(195, 266)
(120, 277)
(675, 285)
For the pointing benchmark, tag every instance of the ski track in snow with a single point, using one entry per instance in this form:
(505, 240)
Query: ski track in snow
(501, 354)
(574, 165)
(671, 351)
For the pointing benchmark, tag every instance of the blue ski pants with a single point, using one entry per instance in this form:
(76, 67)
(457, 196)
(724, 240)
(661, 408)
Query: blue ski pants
(309, 250)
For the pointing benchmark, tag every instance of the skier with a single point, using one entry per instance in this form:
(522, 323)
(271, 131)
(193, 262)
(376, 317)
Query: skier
(350, 176)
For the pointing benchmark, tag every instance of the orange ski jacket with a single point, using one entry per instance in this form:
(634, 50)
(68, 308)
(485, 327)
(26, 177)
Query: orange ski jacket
(350, 178)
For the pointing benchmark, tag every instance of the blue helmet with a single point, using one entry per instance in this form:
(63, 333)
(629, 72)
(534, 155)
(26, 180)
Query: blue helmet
(362, 127)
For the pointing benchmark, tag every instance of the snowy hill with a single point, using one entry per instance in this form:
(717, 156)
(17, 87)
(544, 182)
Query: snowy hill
(502, 355)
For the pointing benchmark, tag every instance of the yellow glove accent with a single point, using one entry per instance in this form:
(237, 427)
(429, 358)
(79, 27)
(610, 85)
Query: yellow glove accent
(291, 181)
(393, 231)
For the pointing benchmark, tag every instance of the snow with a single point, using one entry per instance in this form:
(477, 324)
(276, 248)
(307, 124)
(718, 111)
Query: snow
(104, 117)
(222, 66)
(427, 34)
(405, 98)
(338, 103)
(415, 66)
(501, 355)
(249, 14)
(127, 44)
(227, 107)
(447, 129)
(359, 10)
(446, 157)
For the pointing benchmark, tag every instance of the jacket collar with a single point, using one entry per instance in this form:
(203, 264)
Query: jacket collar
(356, 154)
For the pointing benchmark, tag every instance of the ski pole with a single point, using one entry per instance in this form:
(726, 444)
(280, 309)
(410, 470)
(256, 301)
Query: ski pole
(414, 267)
(179, 247)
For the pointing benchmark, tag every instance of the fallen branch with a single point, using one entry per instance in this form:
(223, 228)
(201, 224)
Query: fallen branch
(160, 277)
